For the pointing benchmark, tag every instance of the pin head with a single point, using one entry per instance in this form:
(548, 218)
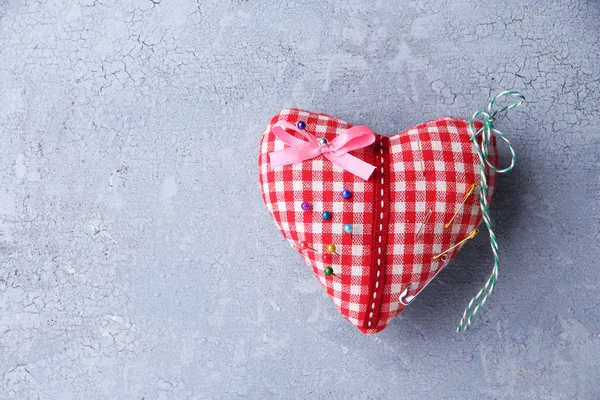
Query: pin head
(331, 248)
(328, 271)
(303, 245)
(346, 194)
(323, 142)
(306, 206)
(326, 215)
(327, 258)
(301, 125)
(348, 228)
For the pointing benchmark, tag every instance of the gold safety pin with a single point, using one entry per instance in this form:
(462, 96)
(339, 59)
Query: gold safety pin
(469, 193)
(470, 236)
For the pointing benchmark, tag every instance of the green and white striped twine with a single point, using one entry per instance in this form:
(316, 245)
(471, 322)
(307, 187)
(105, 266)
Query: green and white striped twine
(487, 131)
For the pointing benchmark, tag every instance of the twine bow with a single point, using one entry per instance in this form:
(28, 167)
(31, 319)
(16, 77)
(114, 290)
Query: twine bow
(487, 131)
(336, 151)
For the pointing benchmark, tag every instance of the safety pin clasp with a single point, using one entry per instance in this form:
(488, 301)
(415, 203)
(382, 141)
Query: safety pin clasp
(405, 299)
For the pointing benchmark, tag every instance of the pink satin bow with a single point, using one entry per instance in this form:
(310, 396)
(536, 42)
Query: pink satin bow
(354, 138)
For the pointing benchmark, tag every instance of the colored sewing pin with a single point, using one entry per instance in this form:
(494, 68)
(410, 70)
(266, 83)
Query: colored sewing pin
(329, 271)
(462, 204)
(470, 236)
(331, 249)
(305, 246)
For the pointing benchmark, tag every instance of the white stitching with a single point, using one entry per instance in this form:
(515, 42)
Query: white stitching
(380, 229)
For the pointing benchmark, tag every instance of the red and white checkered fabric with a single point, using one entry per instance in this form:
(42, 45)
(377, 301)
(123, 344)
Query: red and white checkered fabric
(421, 177)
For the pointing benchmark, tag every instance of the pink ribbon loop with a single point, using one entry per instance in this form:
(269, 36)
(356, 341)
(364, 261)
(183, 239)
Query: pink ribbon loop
(355, 138)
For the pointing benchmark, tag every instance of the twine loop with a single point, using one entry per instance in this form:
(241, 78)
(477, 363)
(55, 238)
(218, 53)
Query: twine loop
(487, 132)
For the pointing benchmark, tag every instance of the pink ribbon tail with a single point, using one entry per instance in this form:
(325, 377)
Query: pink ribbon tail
(352, 164)
(355, 138)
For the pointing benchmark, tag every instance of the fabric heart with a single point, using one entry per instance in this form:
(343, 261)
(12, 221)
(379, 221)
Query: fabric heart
(407, 220)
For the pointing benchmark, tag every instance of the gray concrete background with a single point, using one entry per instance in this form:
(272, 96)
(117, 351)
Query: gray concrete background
(139, 262)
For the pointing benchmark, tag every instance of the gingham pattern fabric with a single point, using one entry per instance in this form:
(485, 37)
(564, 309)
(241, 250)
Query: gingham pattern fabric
(421, 175)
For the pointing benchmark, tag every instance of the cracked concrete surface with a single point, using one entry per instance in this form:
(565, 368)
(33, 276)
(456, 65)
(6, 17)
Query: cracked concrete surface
(137, 260)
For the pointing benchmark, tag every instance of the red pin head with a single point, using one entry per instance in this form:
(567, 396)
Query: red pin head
(304, 246)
